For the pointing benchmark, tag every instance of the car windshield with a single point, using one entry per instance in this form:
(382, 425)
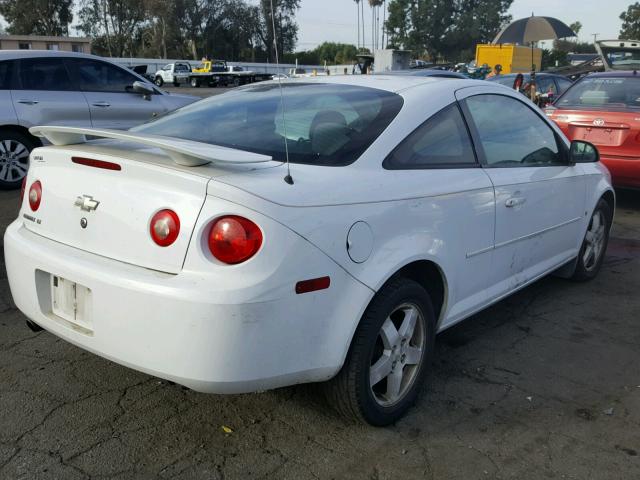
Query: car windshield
(622, 59)
(181, 68)
(603, 93)
(325, 124)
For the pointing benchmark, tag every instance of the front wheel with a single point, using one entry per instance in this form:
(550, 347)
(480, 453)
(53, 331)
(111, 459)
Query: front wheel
(15, 148)
(159, 82)
(389, 356)
(595, 243)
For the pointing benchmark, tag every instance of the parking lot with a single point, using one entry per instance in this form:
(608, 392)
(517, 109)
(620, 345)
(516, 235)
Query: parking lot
(543, 385)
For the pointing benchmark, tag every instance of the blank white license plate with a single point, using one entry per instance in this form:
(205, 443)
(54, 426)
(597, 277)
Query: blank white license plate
(71, 301)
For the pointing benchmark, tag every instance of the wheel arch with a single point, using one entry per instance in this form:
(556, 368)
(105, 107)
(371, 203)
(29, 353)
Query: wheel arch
(432, 278)
(20, 129)
(610, 197)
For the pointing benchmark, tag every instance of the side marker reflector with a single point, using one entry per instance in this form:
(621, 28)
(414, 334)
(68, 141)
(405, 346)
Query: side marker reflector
(90, 162)
(306, 286)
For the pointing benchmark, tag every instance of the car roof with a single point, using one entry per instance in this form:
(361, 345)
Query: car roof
(390, 83)
(16, 54)
(614, 74)
(538, 74)
(425, 72)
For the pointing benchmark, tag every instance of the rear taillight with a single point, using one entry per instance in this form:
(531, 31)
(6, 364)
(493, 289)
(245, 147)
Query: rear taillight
(234, 239)
(35, 195)
(23, 188)
(164, 227)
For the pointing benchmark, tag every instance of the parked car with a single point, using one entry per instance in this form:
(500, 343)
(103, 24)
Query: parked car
(63, 88)
(173, 73)
(204, 262)
(604, 109)
(545, 82)
(426, 72)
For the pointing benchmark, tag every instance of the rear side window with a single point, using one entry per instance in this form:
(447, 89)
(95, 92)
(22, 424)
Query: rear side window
(329, 125)
(442, 141)
(7, 69)
(44, 74)
(96, 76)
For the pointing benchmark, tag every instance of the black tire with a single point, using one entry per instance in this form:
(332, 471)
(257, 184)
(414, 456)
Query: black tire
(159, 81)
(15, 174)
(350, 391)
(195, 83)
(588, 266)
(236, 82)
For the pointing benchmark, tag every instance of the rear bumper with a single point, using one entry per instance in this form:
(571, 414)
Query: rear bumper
(625, 171)
(181, 328)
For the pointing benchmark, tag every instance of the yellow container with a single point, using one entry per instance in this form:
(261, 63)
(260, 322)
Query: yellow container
(513, 58)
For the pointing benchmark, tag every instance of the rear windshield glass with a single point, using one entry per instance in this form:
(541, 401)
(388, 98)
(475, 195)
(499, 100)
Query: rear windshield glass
(325, 124)
(603, 93)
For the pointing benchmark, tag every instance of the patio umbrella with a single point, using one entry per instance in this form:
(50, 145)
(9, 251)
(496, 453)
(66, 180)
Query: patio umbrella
(533, 29)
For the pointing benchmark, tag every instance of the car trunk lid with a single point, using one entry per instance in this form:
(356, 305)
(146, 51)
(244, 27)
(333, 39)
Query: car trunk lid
(117, 205)
(613, 132)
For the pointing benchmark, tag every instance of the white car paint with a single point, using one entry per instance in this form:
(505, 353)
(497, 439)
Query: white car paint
(180, 314)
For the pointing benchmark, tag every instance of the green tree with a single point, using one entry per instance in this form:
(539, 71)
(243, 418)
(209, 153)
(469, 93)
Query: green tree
(113, 24)
(37, 17)
(631, 23)
(286, 33)
(445, 29)
(576, 27)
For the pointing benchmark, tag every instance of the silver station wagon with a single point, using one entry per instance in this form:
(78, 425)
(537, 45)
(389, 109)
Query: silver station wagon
(70, 89)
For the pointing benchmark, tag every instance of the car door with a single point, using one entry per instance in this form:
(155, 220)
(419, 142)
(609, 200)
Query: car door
(540, 196)
(44, 94)
(440, 152)
(109, 92)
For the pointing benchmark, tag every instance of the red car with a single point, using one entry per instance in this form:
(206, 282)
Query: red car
(604, 109)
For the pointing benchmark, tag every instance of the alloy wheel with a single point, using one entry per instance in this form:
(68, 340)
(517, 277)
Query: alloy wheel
(594, 240)
(14, 160)
(397, 355)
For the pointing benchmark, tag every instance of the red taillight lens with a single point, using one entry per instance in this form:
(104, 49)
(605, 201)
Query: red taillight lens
(164, 227)
(234, 239)
(23, 187)
(90, 162)
(35, 195)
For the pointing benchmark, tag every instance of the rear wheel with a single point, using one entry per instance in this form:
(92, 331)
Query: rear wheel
(158, 81)
(195, 83)
(389, 356)
(594, 245)
(15, 148)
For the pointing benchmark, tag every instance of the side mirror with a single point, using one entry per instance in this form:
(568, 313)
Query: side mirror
(583, 152)
(144, 89)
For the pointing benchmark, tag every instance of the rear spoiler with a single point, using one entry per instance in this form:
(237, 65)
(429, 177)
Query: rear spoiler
(183, 152)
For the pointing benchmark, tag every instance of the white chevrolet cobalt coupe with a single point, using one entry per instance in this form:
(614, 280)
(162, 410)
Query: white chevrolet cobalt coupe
(182, 248)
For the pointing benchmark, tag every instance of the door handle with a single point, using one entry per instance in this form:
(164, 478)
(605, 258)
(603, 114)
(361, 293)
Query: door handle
(101, 104)
(515, 202)
(28, 102)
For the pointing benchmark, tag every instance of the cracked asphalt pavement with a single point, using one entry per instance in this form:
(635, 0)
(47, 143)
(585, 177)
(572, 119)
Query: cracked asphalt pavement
(545, 384)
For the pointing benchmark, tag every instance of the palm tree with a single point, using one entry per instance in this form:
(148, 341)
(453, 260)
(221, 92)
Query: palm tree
(375, 7)
(358, 20)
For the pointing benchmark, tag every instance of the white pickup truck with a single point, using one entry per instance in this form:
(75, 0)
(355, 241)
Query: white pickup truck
(175, 73)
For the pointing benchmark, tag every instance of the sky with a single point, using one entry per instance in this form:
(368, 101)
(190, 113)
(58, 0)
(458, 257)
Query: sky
(335, 20)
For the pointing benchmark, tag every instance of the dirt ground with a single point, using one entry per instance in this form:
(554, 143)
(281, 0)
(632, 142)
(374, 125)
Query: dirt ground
(546, 384)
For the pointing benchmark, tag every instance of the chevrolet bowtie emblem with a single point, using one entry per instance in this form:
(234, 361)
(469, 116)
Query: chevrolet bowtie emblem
(86, 203)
